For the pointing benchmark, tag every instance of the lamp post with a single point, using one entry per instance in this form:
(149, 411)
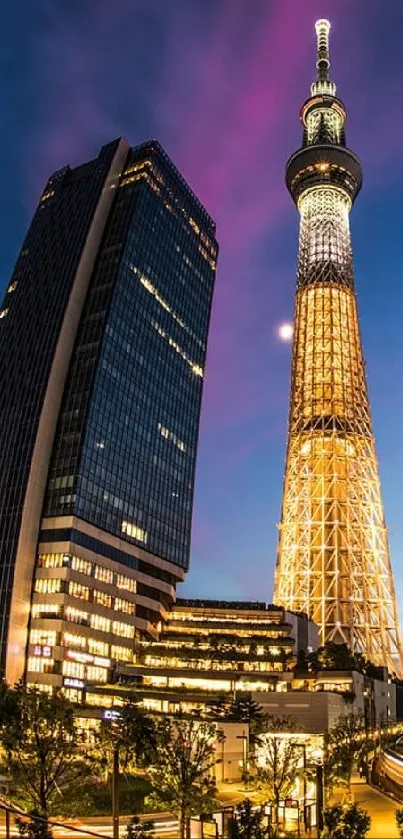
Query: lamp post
(115, 792)
(366, 694)
(112, 715)
(319, 798)
(318, 759)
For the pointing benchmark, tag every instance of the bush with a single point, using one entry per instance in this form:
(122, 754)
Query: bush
(94, 798)
(35, 828)
(350, 822)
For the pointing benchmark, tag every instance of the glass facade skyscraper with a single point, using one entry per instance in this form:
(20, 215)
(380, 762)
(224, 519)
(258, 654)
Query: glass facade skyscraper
(103, 335)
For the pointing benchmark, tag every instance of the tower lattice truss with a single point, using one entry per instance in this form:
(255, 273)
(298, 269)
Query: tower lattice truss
(333, 558)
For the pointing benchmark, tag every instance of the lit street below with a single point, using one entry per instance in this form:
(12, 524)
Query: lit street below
(165, 825)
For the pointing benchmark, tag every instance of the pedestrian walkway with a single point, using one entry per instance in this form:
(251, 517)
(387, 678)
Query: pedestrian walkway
(381, 809)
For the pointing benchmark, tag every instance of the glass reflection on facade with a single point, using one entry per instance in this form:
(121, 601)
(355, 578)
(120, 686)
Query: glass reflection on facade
(125, 451)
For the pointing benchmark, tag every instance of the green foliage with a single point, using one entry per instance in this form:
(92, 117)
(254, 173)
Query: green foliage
(93, 797)
(301, 663)
(132, 733)
(180, 775)
(241, 709)
(137, 830)
(399, 821)
(346, 747)
(246, 822)
(42, 747)
(35, 828)
(280, 759)
(351, 822)
(335, 657)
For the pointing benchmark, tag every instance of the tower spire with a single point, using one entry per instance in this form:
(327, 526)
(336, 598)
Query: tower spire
(322, 83)
(322, 28)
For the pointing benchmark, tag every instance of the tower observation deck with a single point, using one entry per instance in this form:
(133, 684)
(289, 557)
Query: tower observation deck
(333, 557)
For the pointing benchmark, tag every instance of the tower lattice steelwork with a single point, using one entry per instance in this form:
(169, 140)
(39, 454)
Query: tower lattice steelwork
(333, 558)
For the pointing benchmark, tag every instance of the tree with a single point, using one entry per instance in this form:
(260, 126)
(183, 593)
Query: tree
(42, 746)
(245, 709)
(399, 821)
(219, 707)
(246, 823)
(351, 822)
(336, 657)
(181, 775)
(279, 760)
(346, 746)
(131, 733)
(241, 709)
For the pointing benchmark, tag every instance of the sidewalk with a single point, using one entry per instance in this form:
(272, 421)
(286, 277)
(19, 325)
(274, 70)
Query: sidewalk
(380, 807)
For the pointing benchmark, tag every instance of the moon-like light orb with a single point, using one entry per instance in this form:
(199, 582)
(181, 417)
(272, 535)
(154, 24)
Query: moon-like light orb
(285, 331)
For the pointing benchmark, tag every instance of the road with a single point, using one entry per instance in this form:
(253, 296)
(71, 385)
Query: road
(165, 826)
(381, 809)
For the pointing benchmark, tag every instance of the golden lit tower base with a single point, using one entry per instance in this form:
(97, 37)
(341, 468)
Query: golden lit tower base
(333, 558)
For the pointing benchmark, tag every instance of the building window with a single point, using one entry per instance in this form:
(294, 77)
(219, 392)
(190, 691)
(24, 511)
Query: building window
(103, 599)
(126, 583)
(76, 616)
(121, 653)
(124, 606)
(134, 531)
(101, 623)
(51, 586)
(98, 647)
(45, 637)
(70, 640)
(45, 610)
(81, 565)
(78, 590)
(172, 437)
(97, 674)
(74, 669)
(40, 665)
(124, 630)
(51, 560)
(103, 574)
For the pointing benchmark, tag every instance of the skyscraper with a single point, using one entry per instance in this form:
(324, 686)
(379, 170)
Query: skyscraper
(103, 334)
(333, 557)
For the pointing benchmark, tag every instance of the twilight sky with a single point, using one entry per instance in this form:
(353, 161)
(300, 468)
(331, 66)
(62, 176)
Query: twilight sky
(220, 84)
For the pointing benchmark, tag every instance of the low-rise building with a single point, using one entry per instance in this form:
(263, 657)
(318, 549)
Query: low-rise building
(208, 648)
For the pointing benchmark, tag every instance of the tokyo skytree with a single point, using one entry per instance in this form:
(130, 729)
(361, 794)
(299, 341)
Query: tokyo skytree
(333, 557)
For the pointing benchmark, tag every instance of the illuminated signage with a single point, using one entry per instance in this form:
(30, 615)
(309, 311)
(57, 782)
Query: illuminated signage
(45, 651)
(73, 683)
(87, 658)
(111, 715)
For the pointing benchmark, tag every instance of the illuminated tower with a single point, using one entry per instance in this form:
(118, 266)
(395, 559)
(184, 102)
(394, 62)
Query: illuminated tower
(333, 558)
